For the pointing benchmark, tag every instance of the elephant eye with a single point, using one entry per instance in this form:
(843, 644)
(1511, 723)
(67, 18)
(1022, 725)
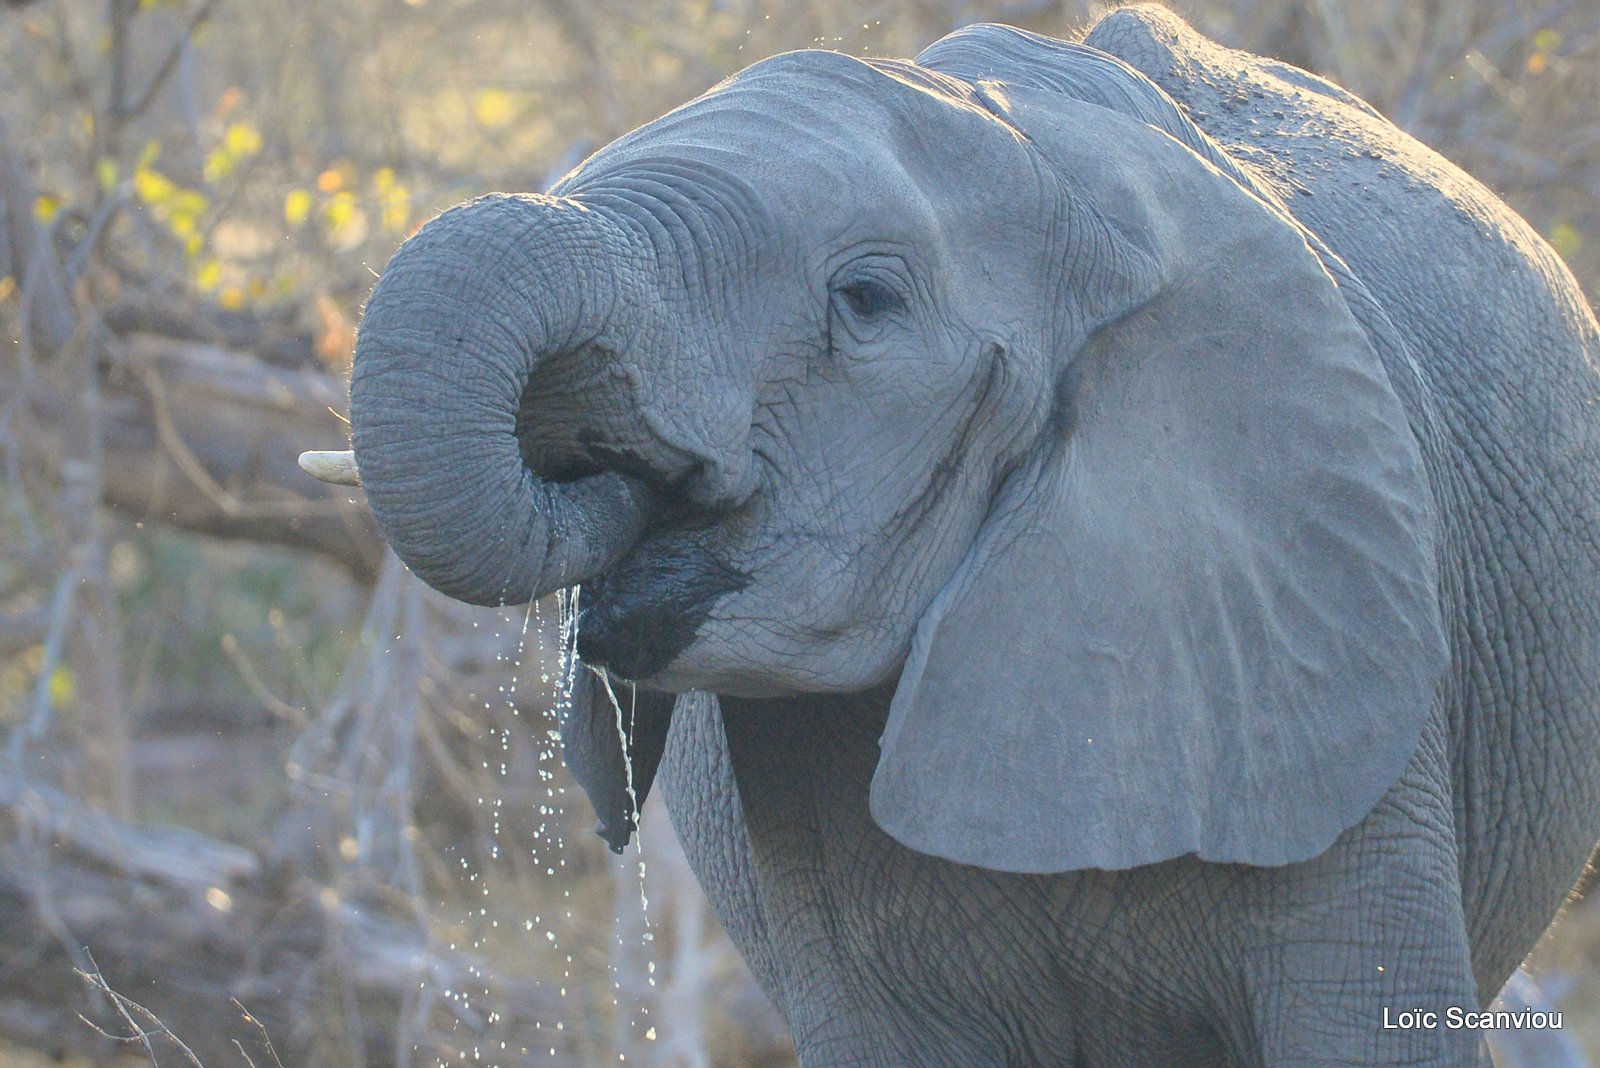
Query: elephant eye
(869, 298)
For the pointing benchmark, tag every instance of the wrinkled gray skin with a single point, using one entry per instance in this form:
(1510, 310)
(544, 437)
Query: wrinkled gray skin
(1135, 506)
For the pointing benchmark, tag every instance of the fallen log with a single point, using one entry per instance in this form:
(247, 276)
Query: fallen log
(204, 438)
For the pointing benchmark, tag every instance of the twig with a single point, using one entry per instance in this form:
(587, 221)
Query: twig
(125, 111)
(83, 253)
(190, 464)
(122, 12)
(254, 683)
(60, 615)
(45, 314)
(260, 1028)
(126, 1008)
(32, 836)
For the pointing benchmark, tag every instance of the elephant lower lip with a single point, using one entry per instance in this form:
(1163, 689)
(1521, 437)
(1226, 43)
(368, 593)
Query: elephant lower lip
(637, 618)
(631, 635)
(608, 638)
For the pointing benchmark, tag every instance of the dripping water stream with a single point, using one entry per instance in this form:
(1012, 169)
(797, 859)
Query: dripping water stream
(631, 956)
(629, 1017)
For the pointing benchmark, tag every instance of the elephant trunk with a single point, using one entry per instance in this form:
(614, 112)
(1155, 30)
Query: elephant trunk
(465, 313)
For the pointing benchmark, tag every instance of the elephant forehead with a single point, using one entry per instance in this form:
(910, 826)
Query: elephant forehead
(760, 138)
(820, 125)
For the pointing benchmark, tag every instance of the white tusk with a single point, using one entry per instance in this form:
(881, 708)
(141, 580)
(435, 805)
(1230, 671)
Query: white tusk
(338, 468)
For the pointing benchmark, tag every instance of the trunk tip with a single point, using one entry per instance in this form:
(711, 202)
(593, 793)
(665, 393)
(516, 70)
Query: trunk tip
(335, 468)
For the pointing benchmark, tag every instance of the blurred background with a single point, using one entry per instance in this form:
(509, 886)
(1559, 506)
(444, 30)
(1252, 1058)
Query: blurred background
(255, 782)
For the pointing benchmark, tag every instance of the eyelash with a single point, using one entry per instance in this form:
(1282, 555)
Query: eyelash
(870, 299)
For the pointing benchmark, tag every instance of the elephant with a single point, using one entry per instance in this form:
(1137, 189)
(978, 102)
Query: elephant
(1104, 536)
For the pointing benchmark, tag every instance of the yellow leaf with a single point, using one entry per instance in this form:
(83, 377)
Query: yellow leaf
(152, 186)
(339, 210)
(192, 244)
(106, 173)
(296, 206)
(62, 686)
(218, 165)
(346, 223)
(330, 180)
(1546, 41)
(208, 275)
(241, 140)
(182, 224)
(493, 107)
(190, 202)
(383, 179)
(231, 297)
(8, 286)
(46, 208)
(151, 152)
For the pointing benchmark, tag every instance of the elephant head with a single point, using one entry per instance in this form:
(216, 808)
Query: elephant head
(851, 372)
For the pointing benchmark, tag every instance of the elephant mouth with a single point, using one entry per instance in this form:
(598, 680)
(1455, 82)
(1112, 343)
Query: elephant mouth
(639, 615)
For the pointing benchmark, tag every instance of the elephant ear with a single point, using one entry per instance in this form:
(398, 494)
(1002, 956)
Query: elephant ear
(613, 748)
(1202, 616)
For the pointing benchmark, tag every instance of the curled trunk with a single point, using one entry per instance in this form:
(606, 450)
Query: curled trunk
(464, 315)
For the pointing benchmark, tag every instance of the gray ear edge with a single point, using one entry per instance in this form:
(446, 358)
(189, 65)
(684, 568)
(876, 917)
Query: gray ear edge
(1358, 739)
(901, 809)
(912, 807)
